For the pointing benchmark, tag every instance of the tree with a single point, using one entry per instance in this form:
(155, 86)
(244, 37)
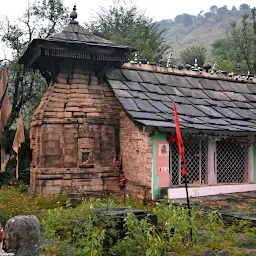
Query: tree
(208, 15)
(222, 10)
(214, 9)
(233, 9)
(178, 19)
(244, 7)
(26, 87)
(187, 19)
(125, 24)
(239, 45)
(189, 54)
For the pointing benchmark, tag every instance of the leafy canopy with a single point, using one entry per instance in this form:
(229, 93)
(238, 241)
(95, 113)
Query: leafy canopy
(189, 54)
(124, 24)
(238, 48)
(42, 19)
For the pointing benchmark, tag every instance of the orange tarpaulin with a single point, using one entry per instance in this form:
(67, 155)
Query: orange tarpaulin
(18, 139)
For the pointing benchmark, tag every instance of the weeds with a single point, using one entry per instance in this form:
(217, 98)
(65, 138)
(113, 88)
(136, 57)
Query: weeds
(80, 231)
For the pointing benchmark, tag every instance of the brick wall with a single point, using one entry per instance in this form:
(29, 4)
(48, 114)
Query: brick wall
(73, 137)
(76, 121)
(136, 150)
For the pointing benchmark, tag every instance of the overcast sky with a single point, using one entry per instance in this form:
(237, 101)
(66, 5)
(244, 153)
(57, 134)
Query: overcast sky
(157, 9)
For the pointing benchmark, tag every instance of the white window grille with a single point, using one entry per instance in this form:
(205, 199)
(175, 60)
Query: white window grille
(232, 161)
(196, 154)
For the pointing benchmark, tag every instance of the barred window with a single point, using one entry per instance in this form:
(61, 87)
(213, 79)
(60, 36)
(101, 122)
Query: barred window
(232, 161)
(196, 154)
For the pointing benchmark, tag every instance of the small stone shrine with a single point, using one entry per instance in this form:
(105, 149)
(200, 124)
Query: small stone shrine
(74, 131)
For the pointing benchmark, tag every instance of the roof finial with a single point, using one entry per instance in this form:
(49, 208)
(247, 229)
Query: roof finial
(73, 14)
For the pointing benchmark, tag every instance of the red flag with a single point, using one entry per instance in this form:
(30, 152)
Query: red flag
(6, 107)
(179, 140)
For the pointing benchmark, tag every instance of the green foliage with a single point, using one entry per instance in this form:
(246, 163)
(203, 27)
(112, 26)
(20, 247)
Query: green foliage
(189, 54)
(41, 19)
(141, 238)
(79, 231)
(124, 24)
(238, 48)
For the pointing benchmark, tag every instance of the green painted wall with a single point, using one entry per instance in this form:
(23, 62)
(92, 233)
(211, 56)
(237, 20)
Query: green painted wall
(155, 189)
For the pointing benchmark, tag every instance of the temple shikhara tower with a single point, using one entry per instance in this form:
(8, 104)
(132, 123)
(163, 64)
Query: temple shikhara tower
(74, 131)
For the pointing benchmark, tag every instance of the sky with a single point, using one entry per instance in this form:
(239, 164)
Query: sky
(156, 9)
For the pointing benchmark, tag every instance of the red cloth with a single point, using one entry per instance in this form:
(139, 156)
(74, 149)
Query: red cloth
(179, 140)
(6, 108)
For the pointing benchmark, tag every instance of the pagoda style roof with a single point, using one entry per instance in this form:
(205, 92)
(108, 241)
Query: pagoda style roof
(206, 102)
(73, 33)
(74, 41)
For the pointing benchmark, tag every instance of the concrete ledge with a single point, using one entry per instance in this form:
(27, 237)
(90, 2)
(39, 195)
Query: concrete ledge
(175, 193)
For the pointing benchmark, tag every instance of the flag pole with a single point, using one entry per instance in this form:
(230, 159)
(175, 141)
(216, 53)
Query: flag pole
(188, 206)
(180, 144)
(17, 167)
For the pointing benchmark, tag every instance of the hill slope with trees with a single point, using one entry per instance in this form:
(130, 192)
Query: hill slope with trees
(205, 28)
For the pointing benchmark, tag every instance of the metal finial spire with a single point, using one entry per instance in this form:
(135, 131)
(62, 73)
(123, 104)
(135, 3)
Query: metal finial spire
(169, 61)
(73, 14)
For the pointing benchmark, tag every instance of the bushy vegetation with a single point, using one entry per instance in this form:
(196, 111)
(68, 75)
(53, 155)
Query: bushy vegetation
(78, 230)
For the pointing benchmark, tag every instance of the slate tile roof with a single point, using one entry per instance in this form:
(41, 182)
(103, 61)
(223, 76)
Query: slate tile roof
(205, 102)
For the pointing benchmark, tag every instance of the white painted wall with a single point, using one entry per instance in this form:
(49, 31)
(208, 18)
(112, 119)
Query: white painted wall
(175, 193)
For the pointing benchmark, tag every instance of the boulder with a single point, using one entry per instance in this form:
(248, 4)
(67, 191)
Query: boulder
(22, 235)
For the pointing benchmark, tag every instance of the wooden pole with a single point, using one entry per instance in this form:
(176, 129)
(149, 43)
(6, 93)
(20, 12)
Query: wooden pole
(17, 166)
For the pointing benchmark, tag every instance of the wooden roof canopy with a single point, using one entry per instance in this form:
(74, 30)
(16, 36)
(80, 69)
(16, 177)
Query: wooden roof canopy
(74, 42)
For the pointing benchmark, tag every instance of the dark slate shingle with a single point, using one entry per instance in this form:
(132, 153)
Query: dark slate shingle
(189, 110)
(116, 84)
(235, 96)
(227, 112)
(140, 95)
(160, 106)
(167, 89)
(198, 101)
(215, 102)
(157, 123)
(148, 77)
(252, 88)
(216, 95)
(114, 74)
(209, 84)
(135, 86)
(128, 104)
(158, 97)
(194, 82)
(122, 93)
(143, 115)
(152, 88)
(179, 81)
(131, 75)
(144, 105)
(209, 111)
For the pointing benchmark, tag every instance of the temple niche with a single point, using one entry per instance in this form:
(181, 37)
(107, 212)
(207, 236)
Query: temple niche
(75, 129)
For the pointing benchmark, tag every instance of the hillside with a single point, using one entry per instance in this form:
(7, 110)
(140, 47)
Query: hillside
(203, 29)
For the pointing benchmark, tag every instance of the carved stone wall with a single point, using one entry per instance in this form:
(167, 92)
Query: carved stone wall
(74, 137)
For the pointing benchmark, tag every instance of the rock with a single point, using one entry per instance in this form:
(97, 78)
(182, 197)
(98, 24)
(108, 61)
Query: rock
(22, 235)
